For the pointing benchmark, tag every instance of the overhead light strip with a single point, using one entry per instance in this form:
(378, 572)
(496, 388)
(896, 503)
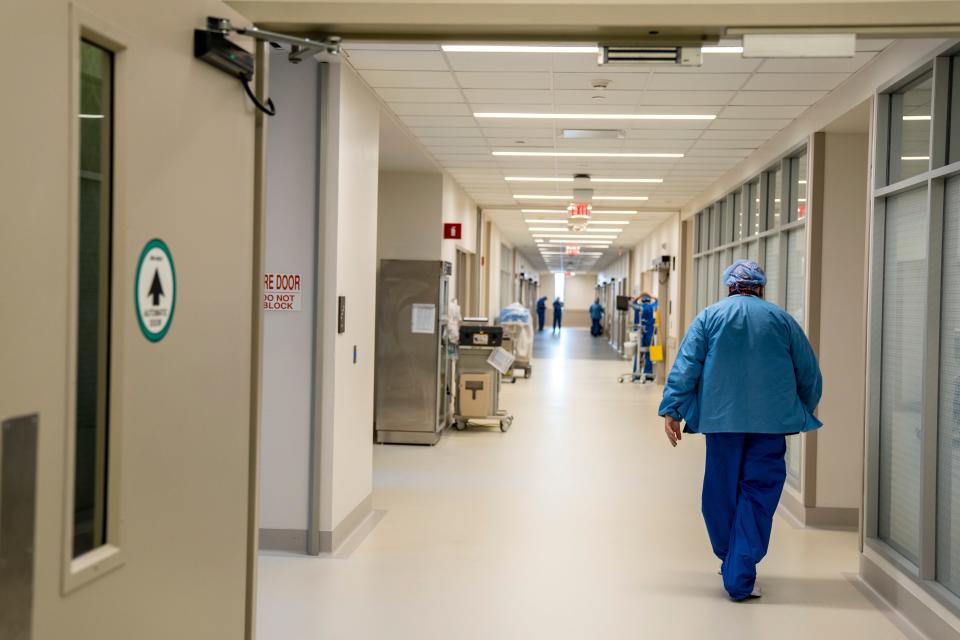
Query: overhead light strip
(583, 154)
(581, 49)
(593, 116)
(611, 180)
(908, 118)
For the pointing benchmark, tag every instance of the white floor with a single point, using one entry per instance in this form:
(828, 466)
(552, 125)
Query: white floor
(580, 522)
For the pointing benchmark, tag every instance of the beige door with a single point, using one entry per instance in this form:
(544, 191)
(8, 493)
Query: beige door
(143, 417)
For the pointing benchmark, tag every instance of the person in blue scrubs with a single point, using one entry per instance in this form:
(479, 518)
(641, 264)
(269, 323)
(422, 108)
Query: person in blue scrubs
(644, 314)
(745, 377)
(541, 312)
(557, 315)
(596, 314)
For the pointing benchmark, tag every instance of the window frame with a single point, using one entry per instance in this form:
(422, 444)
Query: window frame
(106, 558)
(942, 65)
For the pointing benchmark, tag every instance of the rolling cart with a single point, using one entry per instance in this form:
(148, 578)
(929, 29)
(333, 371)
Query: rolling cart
(478, 383)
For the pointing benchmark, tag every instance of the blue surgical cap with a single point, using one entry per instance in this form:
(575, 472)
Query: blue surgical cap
(744, 273)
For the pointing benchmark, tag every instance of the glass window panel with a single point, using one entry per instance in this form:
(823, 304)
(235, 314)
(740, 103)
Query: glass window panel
(771, 264)
(93, 299)
(904, 295)
(910, 110)
(753, 210)
(738, 216)
(948, 493)
(740, 252)
(753, 250)
(712, 277)
(714, 227)
(701, 284)
(774, 197)
(796, 273)
(725, 222)
(798, 188)
(696, 232)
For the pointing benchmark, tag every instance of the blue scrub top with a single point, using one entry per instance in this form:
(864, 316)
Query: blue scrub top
(745, 366)
(542, 304)
(596, 311)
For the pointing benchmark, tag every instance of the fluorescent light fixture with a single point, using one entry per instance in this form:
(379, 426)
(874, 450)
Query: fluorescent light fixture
(591, 253)
(593, 116)
(616, 222)
(589, 230)
(721, 49)
(547, 229)
(613, 212)
(799, 45)
(527, 196)
(543, 210)
(524, 179)
(544, 221)
(798, 182)
(573, 237)
(518, 48)
(916, 117)
(583, 154)
(914, 157)
(92, 116)
(620, 198)
(656, 180)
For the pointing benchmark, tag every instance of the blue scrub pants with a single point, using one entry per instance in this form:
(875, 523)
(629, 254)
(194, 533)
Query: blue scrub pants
(646, 339)
(541, 316)
(557, 321)
(744, 477)
(595, 326)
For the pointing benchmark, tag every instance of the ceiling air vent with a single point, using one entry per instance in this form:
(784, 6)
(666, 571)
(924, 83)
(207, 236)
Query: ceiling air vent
(651, 54)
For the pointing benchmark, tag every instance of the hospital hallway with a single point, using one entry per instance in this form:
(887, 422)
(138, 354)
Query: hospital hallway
(580, 522)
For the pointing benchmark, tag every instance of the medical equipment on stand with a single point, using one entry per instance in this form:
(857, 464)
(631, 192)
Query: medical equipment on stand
(480, 364)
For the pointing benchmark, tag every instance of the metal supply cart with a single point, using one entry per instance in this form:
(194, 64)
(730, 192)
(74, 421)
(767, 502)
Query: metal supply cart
(478, 390)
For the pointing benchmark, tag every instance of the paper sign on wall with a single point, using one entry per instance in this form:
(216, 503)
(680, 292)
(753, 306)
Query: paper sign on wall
(423, 318)
(282, 291)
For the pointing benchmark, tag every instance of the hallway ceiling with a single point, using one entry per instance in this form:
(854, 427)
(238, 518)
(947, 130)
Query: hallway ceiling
(435, 94)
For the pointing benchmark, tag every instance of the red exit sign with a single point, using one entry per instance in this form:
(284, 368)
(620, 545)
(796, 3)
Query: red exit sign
(452, 231)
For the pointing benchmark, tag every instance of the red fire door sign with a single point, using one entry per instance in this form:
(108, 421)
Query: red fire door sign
(452, 230)
(281, 291)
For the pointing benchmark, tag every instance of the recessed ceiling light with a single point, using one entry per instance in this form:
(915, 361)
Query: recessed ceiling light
(613, 212)
(593, 116)
(916, 117)
(542, 221)
(547, 229)
(608, 222)
(584, 154)
(589, 230)
(543, 210)
(515, 48)
(94, 116)
(914, 157)
(541, 197)
(621, 198)
(656, 180)
(526, 179)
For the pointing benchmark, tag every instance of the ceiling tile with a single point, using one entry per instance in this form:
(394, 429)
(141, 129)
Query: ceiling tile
(795, 81)
(617, 82)
(696, 82)
(509, 96)
(409, 79)
(397, 60)
(508, 62)
(420, 95)
(679, 99)
(601, 98)
(772, 124)
(503, 80)
(805, 98)
(438, 121)
(452, 132)
(430, 109)
(762, 112)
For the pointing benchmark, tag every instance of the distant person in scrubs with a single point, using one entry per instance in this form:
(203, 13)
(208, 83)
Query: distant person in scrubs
(541, 312)
(557, 315)
(596, 315)
(746, 377)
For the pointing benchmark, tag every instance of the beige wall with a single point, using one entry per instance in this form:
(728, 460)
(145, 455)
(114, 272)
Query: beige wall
(842, 329)
(180, 415)
(410, 214)
(349, 223)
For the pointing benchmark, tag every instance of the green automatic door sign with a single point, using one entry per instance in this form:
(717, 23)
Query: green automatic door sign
(156, 290)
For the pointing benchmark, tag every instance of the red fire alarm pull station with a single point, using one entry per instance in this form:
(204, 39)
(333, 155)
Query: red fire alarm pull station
(452, 230)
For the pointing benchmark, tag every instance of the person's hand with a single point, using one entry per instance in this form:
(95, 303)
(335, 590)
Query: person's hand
(672, 427)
